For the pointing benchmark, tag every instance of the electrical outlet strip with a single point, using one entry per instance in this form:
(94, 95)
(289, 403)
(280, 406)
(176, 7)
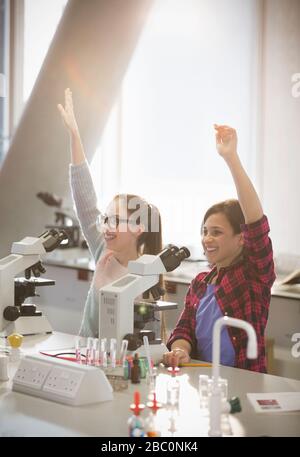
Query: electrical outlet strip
(61, 381)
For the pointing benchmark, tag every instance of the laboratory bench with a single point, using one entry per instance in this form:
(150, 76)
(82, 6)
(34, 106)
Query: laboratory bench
(72, 269)
(24, 415)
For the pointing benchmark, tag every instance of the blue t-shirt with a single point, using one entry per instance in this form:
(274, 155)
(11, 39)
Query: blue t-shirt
(207, 313)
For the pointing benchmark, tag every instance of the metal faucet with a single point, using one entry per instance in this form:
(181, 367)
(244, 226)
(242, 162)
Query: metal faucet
(215, 400)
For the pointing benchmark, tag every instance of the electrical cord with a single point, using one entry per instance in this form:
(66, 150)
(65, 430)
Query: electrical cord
(60, 354)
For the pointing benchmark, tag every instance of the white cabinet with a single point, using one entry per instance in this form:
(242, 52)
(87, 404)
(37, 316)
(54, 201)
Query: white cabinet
(283, 323)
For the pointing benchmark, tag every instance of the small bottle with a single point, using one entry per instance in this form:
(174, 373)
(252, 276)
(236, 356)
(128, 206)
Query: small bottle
(143, 368)
(135, 373)
(127, 368)
(135, 422)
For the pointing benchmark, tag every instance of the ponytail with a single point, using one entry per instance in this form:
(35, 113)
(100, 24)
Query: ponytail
(150, 241)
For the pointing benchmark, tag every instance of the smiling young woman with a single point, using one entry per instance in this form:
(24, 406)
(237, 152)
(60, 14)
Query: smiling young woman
(129, 228)
(236, 243)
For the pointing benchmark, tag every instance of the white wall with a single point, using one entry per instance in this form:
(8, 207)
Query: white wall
(196, 64)
(280, 164)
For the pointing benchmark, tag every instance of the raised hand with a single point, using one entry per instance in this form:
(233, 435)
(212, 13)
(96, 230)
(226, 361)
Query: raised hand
(67, 113)
(68, 117)
(226, 141)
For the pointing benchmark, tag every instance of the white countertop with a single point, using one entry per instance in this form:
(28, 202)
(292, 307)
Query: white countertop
(24, 415)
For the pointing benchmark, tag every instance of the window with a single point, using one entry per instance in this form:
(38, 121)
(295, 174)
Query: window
(195, 65)
(24, 41)
(38, 34)
(3, 77)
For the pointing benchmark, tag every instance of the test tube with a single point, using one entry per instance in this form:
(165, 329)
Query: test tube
(113, 350)
(123, 353)
(103, 352)
(89, 351)
(147, 351)
(96, 351)
(77, 349)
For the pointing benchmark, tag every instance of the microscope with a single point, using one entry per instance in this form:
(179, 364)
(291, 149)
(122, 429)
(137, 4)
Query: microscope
(15, 316)
(64, 220)
(117, 309)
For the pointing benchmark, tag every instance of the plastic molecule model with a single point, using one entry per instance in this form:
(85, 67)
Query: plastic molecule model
(135, 422)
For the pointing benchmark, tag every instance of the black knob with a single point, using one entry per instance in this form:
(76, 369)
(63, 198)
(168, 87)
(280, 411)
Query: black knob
(11, 313)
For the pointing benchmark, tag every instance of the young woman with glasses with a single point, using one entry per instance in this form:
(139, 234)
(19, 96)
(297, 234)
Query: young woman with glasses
(237, 246)
(129, 228)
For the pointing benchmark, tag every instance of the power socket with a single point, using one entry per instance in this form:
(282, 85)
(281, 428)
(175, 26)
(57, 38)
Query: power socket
(63, 382)
(32, 374)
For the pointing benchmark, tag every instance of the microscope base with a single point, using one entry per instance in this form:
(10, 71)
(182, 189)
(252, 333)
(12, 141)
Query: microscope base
(28, 325)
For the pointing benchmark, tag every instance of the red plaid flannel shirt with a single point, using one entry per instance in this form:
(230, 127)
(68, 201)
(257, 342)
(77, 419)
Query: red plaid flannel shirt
(243, 291)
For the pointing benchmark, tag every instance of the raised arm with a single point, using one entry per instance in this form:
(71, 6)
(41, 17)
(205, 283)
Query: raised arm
(226, 142)
(68, 116)
(81, 182)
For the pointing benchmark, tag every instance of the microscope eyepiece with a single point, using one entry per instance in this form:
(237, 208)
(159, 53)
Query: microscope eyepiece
(52, 239)
(183, 253)
(173, 256)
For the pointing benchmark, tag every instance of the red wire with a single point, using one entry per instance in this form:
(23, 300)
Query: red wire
(71, 359)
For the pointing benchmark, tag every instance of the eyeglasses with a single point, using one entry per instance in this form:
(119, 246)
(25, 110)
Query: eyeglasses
(112, 221)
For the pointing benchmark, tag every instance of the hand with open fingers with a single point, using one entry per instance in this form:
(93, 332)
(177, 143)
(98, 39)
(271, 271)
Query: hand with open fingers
(67, 113)
(176, 357)
(226, 141)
